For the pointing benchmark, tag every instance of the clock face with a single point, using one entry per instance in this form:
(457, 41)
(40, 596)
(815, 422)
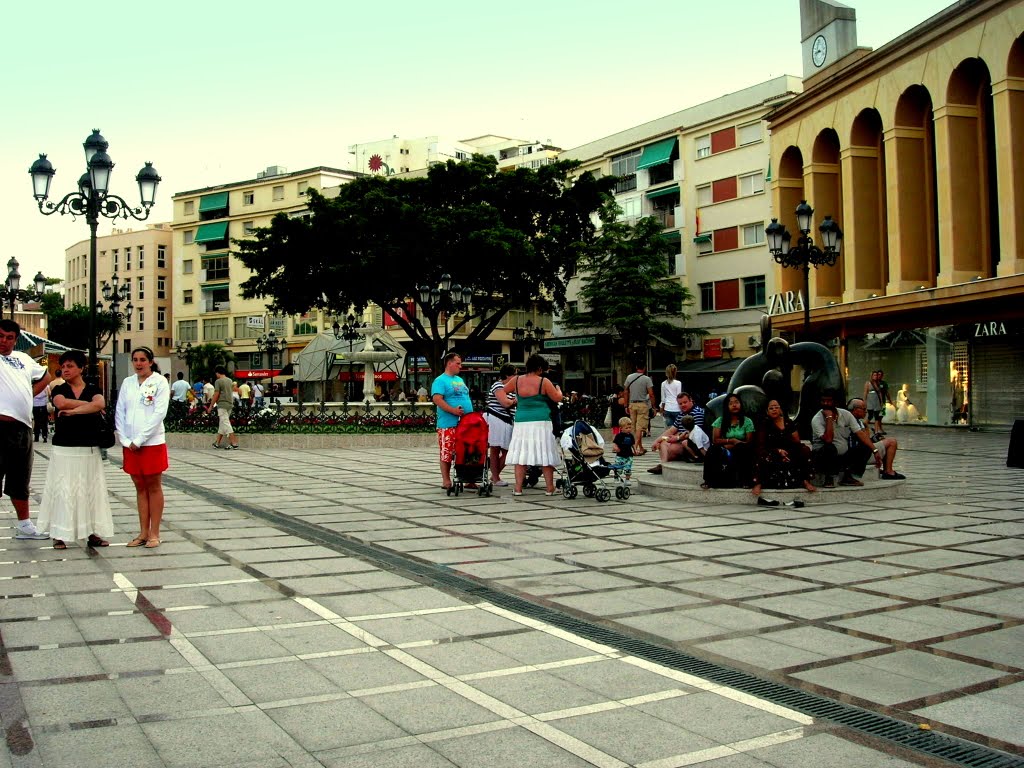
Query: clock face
(818, 50)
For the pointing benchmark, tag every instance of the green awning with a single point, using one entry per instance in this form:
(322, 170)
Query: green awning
(215, 255)
(215, 202)
(672, 235)
(673, 190)
(702, 239)
(214, 284)
(657, 153)
(208, 233)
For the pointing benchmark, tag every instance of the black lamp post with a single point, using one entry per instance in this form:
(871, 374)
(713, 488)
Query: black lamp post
(93, 200)
(447, 296)
(113, 295)
(527, 336)
(349, 331)
(185, 353)
(805, 253)
(273, 346)
(12, 292)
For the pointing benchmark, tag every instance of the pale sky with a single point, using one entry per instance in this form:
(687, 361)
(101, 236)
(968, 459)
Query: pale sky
(212, 92)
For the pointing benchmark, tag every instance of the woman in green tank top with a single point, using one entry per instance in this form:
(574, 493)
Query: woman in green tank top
(533, 442)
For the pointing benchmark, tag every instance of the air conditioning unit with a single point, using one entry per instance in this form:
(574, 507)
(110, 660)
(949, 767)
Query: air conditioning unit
(228, 342)
(754, 342)
(694, 343)
(727, 342)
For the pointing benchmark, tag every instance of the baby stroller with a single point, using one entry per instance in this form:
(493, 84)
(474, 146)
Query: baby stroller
(471, 453)
(583, 466)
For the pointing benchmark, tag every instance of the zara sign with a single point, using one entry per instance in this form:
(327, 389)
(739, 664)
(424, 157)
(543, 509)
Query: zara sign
(789, 301)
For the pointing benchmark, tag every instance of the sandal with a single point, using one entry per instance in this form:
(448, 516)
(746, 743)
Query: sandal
(58, 544)
(152, 543)
(138, 541)
(96, 541)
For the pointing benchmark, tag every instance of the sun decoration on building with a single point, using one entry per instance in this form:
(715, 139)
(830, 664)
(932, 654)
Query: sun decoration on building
(377, 164)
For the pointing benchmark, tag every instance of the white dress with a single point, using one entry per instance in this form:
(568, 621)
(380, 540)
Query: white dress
(75, 501)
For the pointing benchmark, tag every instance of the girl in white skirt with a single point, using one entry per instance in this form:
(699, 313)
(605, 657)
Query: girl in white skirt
(75, 504)
(533, 442)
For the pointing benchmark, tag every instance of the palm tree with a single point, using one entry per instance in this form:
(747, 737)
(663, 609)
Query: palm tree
(203, 358)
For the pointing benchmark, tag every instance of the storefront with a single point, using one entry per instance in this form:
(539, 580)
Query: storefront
(586, 362)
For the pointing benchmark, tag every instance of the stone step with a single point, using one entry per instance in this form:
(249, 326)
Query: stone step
(681, 481)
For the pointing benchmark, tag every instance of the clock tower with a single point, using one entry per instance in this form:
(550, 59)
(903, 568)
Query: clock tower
(828, 31)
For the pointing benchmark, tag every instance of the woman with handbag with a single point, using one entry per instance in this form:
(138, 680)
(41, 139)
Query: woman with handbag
(533, 442)
(139, 419)
(75, 504)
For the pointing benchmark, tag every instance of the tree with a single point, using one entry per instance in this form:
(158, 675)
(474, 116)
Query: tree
(203, 358)
(70, 327)
(627, 288)
(510, 237)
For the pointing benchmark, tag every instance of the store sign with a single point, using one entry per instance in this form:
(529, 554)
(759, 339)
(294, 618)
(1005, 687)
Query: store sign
(991, 328)
(789, 301)
(254, 321)
(712, 348)
(578, 341)
(259, 373)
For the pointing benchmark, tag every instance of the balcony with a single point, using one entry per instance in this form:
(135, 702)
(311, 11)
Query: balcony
(666, 217)
(210, 305)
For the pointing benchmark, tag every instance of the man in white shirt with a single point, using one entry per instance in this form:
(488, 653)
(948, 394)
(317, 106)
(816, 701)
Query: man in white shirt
(180, 388)
(841, 443)
(21, 379)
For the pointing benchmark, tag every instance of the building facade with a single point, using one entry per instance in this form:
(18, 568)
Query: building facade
(141, 259)
(702, 173)
(915, 150)
(402, 155)
(207, 302)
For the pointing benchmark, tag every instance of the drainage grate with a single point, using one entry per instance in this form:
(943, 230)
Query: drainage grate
(881, 726)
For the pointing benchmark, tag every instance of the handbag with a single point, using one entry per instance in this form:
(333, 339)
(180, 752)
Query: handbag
(589, 448)
(105, 431)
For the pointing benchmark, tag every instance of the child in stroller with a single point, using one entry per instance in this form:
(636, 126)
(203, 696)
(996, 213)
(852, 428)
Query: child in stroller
(583, 465)
(471, 456)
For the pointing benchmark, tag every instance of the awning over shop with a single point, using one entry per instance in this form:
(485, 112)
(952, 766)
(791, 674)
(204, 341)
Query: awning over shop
(673, 190)
(711, 366)
(657, 153)
(208, 233)
(215, 202)
(28, 341)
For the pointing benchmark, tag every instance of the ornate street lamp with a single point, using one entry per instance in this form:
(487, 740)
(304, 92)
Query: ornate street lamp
(12, 292)
(527, 336)
(349, 331)
(185, 353)
(113, 295)
(805, 253)
(93, 200)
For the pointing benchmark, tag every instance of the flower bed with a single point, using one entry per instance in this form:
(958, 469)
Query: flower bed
(316, 419)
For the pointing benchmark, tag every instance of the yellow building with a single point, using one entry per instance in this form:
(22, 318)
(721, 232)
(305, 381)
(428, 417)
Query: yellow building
(702, 173)
(141, 259)
(915, 150)
(208, 307)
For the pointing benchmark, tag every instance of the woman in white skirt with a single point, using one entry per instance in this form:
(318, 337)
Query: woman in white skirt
(533, 442)
(75, 504)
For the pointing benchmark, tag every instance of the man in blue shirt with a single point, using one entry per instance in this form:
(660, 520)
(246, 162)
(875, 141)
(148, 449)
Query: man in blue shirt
(451, 396)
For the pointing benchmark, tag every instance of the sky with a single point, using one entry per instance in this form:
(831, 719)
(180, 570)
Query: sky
(212, 92)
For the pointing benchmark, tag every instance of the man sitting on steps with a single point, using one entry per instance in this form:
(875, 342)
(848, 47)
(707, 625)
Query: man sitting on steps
(681, 442)
(841, 444)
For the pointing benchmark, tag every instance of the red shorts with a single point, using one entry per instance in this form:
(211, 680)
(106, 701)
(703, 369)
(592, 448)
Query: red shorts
(148, 460)
(446, 443)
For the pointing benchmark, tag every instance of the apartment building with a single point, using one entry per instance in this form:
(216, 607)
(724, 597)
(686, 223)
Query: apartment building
(142, 260)
(702, 172)
(914, 149)
(207, 302)
(402, 155)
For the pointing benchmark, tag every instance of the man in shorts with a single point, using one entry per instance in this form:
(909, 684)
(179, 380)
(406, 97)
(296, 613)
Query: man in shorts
(222, 399)
(640, 389)
(451, 396)
(21, 379)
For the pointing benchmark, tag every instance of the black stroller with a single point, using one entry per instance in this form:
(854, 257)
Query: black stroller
(583, 465)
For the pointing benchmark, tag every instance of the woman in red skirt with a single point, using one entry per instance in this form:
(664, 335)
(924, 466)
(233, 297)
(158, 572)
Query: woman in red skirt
(139, 421)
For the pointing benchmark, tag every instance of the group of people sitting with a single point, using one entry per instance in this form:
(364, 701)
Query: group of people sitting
(738, 454)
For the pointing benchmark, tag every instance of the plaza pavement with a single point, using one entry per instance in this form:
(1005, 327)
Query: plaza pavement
(256, 636)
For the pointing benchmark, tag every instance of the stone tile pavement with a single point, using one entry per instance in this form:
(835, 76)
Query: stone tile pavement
(244, 640)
